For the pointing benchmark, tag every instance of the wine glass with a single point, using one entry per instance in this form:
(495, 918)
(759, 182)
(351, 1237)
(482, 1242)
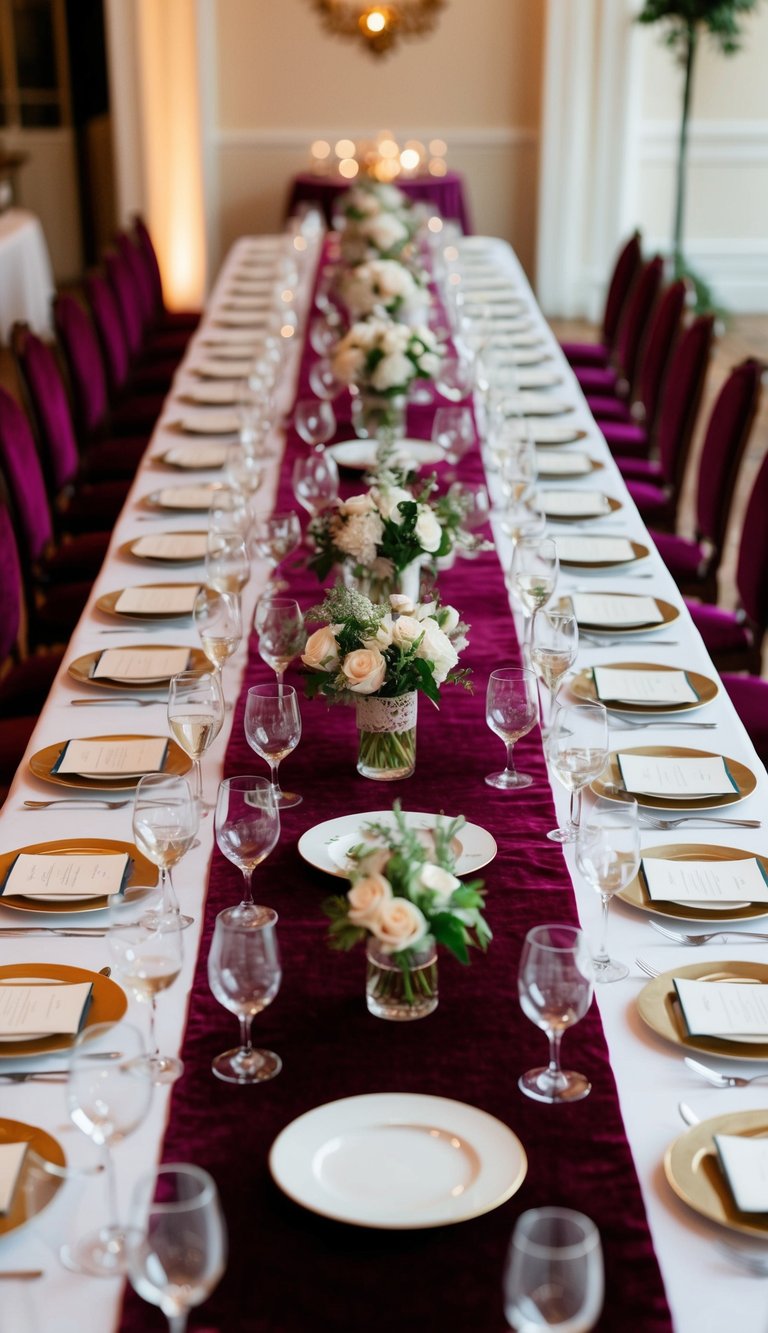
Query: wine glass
(455, 378)
(107, 1099)
(522, 521)
(511, 710)
(280, 627)
(166, 818)
(315, 421)
(244, 470)
(315, 481)
(324, 381)
(533, 576)
(229, 512)
(554, 1272)
(178, 1249)
(244, 974)
(227, 568)
(577, 749)
(453, 430)
(195, 718)
(555, 985)
(218, 621)
(247, 823)
(554, 648)
(148, 958)
(608, 856)
(273, 730)
(275, 536)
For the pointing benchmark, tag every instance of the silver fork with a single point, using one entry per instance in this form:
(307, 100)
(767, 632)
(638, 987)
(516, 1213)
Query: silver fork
(625, 724)
(722, 1080)
(646, 968)
(83, 803)
(708, 821)
(727, 936)
(622, 643)
(116, 699)
(751, 1261)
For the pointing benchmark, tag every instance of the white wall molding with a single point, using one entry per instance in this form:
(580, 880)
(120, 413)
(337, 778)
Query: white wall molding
(736, 269)
(715, 143)
(267, 139)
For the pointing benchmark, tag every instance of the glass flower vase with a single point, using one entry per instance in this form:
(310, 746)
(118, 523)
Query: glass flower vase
(379, 416)
(387, 736)
(401, 993)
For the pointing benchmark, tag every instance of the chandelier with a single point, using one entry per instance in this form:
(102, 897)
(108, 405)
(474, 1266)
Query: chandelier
(379, 26)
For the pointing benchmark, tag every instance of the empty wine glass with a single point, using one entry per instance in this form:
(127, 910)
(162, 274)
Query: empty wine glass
(148, 959)
(608, 856)
(533, 576)
(244, 974)
(244, 471)
(315, 421)
(577, 749)
(107, 1099)
(455, 379)
(554, 1272)
(195, 718)
(324, 381)
(219, 622)
(178, 1248)
(453, 430)
(555, 985)
(554, 648)
(511, 710)
(280, 626)
(273, 537)
(523, 521)
(229, 512)
(226, 561)
(166, 818)
(315, 481)
(273, 730)
(247, 823)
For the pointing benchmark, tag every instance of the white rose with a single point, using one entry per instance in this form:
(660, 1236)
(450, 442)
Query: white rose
(399, 925)
(437, 648)
(406, 630)
(429, 362)
(426, 609)
(449, 619)
(357, 504)
(428, 529)
(364, 670)
(388, 500)
(440, 882)
(366, 898)
(321, 651)
(393, 370)
(383, 636)
(401, 605)
(385, 231)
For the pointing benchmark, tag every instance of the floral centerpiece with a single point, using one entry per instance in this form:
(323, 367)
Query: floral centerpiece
(384, 287)
(404, 900)
(379, 223)
(381, 657)
(381, 357)
(369, 198)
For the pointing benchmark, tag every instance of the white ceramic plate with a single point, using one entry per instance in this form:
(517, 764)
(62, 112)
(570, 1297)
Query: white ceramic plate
(326, 845)
(361, 454)
(398, 1161)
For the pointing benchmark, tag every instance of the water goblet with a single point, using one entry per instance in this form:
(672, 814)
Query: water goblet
(554, 1272)
(107, 1099)
(244, 974)
(533, 576)
(315, 421)
(273, 537)
(247, 823)
(219, 622)
(148, 958)
(608, 856)
(166, 817)
(244, 471)
(178, 1248)
(577, 749)
(511, 710)
(453, 430)
(523, 520)
(273, 730)
(554, 648)
(227, 567)
(280, 626)
(455, 378)
(323, 380)
(230, 512)
(555, 985)
(315, 481)
(195, 718)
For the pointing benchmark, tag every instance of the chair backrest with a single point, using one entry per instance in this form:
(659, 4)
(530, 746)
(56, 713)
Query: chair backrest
(625, 270)
(151, 264)
(121, 282)
(109, 326)
(656, 350)
(683, 388)
(728, 429)
(11, 594)
(752, 565)
(80, 344)
(145, 290)
(48, 405)
(24, 480)
(634, 321)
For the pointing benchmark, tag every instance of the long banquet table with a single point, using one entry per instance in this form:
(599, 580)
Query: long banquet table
(289, 1269)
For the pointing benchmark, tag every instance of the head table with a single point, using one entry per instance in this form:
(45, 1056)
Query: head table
(289, 1269)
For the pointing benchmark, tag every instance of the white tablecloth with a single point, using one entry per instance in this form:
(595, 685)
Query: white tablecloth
(26, 277)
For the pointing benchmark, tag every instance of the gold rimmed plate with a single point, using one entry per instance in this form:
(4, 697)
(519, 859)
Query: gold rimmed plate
(636, 894)
(36, 1187)
(743, 777)
(140, 872)
(548, 473)
(607, 507)
(193, 457)
(693, 1170)
(639, 552)
(202, 497)
(129, 549)
(41, 766)
(669, 614)
(108, 604)
(658, 1007)
(548, 434)
(83, 667)
(108, 1004)
(583, 686)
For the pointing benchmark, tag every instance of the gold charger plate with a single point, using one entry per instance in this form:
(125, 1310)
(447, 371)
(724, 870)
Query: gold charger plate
(108, 604)
(546, 474)
(140, 871)
(669, 614)
(636, 894)
(639, 552)
(743, 777)
(108, 1004)
(36, 1187)
(583, 687)
(613, 506)
(657, 1006)
(155, 505)
(82, 667)
(693, 1170)
(41, 763)
(127, 549)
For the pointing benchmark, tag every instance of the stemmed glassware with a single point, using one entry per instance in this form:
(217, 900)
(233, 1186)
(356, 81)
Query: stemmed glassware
(315, 481)
(280, 626)
(453, 430)
(555, 985)
(107, 1099)
(273, 730)
(511, 710)
(244, 974)
(148, 958)
(178, 1249)
(315, 421)
(554, 648)
(273, 537)
(195, 718)
(219, 622)
(227, 568)
(247, 823)
(577, 750)
(554, 1272)
(166, 817)
(323, 379)
(608, 856)
(244, 471)
(533, 575)
(455, 378)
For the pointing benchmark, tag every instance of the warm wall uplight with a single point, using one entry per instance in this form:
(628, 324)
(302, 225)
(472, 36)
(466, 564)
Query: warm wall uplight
(409, 159)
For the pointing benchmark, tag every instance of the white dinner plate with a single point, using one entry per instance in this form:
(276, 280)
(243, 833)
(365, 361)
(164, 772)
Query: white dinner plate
(326, 845)
(360, 455)
(398, 1161)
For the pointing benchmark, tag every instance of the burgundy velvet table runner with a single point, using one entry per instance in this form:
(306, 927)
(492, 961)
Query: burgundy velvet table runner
(289, 1269)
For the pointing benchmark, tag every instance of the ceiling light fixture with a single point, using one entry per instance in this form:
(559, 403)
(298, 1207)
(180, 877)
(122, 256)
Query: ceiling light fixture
(379, 26)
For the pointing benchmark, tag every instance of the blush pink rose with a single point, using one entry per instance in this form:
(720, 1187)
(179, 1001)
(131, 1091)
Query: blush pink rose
(321, 651)
(366, 898)
(364, 670)
(399, 925)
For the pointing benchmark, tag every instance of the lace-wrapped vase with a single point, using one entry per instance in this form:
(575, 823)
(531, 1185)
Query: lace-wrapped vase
(387, 727)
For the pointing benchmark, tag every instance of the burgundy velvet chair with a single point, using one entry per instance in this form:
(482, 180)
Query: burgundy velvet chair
(157, 364)
(734, 639)
(749, 696)
(171, 340)
(125, 380)
(162, 318)
(694, 563)
(655, 352)
(619, 376)
(625, 271)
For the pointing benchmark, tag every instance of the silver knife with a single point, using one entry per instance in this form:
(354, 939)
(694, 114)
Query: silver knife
(69, 931)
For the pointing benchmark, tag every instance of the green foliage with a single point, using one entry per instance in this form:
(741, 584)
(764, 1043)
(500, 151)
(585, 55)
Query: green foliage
(719, 18)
